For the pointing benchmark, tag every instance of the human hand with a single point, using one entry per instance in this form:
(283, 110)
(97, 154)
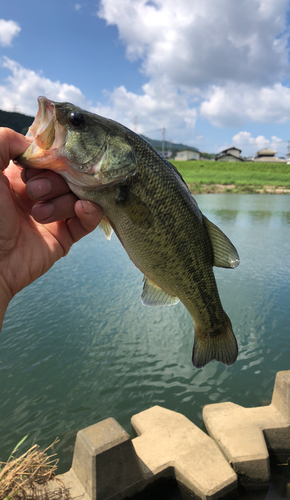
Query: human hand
(29, 246)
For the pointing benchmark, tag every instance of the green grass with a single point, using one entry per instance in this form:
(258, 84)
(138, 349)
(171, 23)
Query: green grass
(246, 176)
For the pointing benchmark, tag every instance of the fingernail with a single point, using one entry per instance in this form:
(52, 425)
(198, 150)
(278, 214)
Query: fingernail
(42, 211)
(88, 208)
(38, 188)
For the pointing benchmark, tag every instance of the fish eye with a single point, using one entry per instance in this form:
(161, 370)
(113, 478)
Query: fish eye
(77, 119)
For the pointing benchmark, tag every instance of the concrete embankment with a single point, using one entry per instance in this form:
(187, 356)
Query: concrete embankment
(109, 465)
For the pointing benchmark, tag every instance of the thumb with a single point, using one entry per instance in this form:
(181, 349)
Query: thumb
(89, 216)
(12, 145)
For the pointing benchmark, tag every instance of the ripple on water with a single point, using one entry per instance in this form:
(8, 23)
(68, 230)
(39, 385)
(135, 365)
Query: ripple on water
(77, 346)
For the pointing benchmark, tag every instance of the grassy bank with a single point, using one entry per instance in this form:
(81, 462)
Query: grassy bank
(247, 177)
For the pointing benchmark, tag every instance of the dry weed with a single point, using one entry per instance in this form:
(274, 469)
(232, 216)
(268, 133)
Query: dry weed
(24, 477)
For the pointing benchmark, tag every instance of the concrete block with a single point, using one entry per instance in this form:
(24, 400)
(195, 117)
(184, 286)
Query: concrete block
(105, 462)
(69, 481)
(278, 437)
(241, 441)
(246, 435)
(169, 443)
(281, 394)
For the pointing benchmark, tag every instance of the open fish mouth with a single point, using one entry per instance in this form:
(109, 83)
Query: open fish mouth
(46, 136)
(42, 129)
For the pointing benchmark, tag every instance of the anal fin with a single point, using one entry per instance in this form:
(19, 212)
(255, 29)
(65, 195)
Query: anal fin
(152, 295)
(106, 227)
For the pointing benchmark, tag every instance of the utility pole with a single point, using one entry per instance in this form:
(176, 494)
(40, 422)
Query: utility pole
(163, 139)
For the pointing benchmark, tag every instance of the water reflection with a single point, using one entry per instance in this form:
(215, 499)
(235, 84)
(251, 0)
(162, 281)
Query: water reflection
(78, 346)
(248, 208)
(227, 215)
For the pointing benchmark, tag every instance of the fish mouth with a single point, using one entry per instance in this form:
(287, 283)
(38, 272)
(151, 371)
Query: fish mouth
(42, 129)
(45, 135)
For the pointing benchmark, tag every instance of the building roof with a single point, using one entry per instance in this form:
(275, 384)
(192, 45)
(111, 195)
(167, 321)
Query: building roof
(224, 154)
(228, 149)
(266, 152)
(193, 150)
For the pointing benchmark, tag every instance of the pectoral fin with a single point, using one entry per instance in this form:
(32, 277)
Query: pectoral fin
(152, 295)
(106, 227)
(225, 254)
(136, 210)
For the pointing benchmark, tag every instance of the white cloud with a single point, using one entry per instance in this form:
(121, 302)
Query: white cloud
(230, 56)
(250, 145)
(221, 60)
(278, 145)
(24, 86)
(8, 30)
(205, 41)
(160, 105)
(245, 139)
(233, 105)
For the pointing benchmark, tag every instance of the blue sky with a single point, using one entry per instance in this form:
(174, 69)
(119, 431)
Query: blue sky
(211, 72)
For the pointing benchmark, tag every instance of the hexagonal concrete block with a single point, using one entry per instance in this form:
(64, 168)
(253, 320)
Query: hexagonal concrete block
(246, 435)
(168, 441)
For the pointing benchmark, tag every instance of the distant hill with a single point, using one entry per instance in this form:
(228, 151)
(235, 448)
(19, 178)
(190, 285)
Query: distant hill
(168, 146)
(20, 123)
(16, 121)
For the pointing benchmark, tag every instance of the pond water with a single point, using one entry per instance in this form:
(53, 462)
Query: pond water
(77, 346)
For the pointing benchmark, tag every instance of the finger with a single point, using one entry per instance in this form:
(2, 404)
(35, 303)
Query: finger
(12, 146)
(46, 185)
(60, 208)
(13, 174)
(27, 173)
(89, 216)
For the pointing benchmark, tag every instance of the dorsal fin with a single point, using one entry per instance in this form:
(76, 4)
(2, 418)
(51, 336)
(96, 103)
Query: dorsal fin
(152, 295)
(225, 254)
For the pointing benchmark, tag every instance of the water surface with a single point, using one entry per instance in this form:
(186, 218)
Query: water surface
(77, 346)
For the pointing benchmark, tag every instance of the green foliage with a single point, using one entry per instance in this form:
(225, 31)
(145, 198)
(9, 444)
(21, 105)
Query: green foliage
(11, 457)
(172, 146)
(208, 156)
(249, 174)
(16, 121)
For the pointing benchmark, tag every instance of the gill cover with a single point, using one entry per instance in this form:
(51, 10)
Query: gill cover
(119, 160)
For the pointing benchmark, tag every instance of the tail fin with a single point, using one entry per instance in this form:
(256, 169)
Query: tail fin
(220, 345)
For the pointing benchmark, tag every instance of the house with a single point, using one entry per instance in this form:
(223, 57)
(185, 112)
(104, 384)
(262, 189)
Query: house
(268, 155)
(187, 154)
(229, 154)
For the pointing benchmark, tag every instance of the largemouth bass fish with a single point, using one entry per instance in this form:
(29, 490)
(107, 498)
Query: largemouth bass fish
(146, 202)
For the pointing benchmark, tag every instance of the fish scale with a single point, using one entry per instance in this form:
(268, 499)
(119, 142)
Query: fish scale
(147, 203)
